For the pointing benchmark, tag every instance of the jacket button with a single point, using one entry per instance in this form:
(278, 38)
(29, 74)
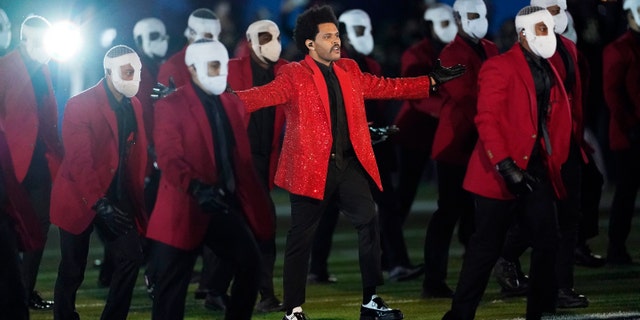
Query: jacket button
(533, 136)
(525, 157)
(112, 170)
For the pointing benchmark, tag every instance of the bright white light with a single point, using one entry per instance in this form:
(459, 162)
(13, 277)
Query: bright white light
(63, 40)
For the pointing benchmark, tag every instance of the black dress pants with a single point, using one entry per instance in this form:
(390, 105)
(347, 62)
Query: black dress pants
(624, 199)
(349, 188)
(126, 254)
(537, 215)
(454, 204)
(13, 302)
(231, 240)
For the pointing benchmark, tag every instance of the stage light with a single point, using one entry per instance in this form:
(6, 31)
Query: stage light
(63, 40)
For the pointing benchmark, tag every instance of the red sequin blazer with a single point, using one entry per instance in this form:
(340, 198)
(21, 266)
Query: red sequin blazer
(300, 87)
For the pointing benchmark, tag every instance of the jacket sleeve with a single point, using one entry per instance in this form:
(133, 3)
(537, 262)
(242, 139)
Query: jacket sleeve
(277, 92)
(375, 87)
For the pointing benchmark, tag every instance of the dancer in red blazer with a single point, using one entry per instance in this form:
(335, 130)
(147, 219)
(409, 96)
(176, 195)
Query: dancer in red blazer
(202, 24)
(454, 140)
(29, 117)
(327, 153)
(524, 129)
(19, 230)
(100, 184)
(418, 118)
(621, 70)
(209, 193)
(264, 128)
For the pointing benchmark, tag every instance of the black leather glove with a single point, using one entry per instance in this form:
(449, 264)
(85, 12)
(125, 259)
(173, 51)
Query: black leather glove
(379, 134)
(519, 182)
(115, 222)
(160, 91)
(211, 199)
(442, 74)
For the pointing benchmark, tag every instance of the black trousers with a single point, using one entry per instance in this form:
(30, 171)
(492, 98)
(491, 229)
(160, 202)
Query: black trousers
(127, 256)
(349, 188)
(454, 204)
(13, 302)
(230, 239)
(394, 247)
(536, 213)
(591, 185)
(217, 273)
(37, 183)
(624, 199)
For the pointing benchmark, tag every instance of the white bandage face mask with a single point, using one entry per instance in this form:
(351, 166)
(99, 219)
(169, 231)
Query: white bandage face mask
(34, 44)
(128, 88)
(439, 15)
(358, 25)
(475, 28)
(542, 46)
(270, 51)
(153, 35)
(199, 55)
(5, 30)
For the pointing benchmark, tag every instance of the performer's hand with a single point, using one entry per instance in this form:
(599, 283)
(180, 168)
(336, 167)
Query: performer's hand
(115, 221)
(519, 182)
(442, 74)
(211, 199)
(379, 134)
(160, 91)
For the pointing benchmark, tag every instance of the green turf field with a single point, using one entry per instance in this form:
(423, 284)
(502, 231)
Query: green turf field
(614, 292)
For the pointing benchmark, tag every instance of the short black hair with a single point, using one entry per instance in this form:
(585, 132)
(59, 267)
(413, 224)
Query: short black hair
(307, 24)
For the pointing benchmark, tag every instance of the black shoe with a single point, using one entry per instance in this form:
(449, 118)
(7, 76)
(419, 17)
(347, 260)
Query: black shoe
(377, 309)
(313, 278)
(37, 303)
(216, 302)
(295, 316)
(270, 304)
(437, 290)
(584, 257)
(400, 273)
(568, 298)
(506, 274)
(520, 291)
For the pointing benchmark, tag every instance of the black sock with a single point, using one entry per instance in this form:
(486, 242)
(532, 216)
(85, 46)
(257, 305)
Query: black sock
(289, 312)
(367, 293)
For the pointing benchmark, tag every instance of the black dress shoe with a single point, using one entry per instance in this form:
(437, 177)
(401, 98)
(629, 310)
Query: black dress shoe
(313, 278)
(216, 303)
(436, 290)
(401, 273)
(584, 257)
(270, 304)
(506, 274)
(37, 303)
(568, 298)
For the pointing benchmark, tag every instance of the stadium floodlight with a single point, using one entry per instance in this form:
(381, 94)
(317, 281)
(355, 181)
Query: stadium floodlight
(63, 40)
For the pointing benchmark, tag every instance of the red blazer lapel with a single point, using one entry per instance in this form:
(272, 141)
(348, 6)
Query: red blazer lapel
(524, 73)
(347, 90)
(197, 110)
(321, 85)
(107, 112)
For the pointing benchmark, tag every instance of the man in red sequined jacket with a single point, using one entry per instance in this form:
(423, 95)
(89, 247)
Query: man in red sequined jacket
(327, 153)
